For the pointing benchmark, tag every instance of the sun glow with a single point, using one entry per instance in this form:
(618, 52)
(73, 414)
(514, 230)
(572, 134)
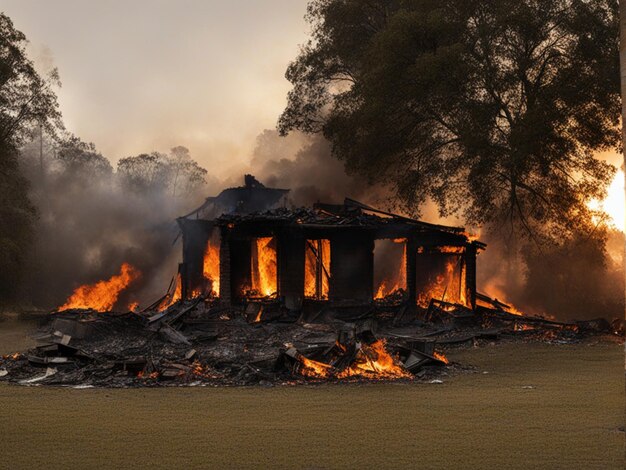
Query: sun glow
(614, 203)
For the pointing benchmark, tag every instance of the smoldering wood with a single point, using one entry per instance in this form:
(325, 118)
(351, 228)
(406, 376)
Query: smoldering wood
(214, 344)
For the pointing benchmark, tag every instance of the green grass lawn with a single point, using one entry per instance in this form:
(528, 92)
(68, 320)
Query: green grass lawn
(489, 419)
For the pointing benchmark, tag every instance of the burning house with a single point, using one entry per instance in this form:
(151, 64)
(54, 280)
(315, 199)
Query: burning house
(245, 245)
(344, 292)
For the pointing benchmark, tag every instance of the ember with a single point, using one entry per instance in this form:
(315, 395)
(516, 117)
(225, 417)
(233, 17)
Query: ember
(102, 295)
(441, 357)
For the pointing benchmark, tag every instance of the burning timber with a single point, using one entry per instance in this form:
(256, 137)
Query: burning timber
(201, 342)
(267, 295)
(327, 256)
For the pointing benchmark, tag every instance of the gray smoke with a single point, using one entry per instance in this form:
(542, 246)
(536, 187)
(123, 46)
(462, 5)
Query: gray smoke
(90, 223)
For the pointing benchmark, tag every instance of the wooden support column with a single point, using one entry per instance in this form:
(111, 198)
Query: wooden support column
(411, 267)
(470, 274)
(352, 267)
(240, 267)
(225, 292)
(196, 235)
(290, 259)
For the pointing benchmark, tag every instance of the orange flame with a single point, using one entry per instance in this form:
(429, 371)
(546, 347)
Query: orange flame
(447, 285)
(451, 249)
(441, 357)
(374, 362)
(171, 299)
(212, 266)
(200, 370)
(495, 291)
(264, 277)
(133, 306)
(315, 270)
(102, 295)
(314, 369)
(14, 356)
(389, 286)
(143, 375)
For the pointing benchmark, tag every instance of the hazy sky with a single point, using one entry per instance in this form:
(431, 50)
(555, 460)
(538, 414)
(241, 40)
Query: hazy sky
(146, 75)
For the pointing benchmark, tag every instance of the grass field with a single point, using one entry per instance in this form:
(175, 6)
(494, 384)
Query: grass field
(570, 418)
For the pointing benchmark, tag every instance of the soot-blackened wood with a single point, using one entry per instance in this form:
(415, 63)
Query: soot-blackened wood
(240, 268)
(290, 257)
(411, 253)
(470, 273)
(196, 234)
(225, 292)
(352, 267)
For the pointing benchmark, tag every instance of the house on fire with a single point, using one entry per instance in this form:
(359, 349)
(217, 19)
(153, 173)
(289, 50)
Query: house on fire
(245, 244)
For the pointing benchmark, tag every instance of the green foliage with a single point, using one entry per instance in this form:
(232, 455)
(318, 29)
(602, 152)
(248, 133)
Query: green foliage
(576, 279)
(16, 224)
(27, 101)
(81, 159)
(491, 109)
(157, 172)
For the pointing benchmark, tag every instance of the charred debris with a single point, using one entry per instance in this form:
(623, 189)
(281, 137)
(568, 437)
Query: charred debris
(269, 295)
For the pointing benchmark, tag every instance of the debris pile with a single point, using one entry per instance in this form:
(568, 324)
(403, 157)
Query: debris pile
(202, 342)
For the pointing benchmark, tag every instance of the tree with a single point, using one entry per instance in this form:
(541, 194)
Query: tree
(27, 100)
(492, 109)
(157, 172)
(556, 284)
(144, 173)
(81, 159)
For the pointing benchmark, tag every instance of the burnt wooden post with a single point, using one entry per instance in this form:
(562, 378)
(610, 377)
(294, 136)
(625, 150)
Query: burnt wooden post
(319, 266)
(470, 273)
(352, 267)
(196, 234)
(225, 292)
(411, 270)
(290, 255)
(240, 251)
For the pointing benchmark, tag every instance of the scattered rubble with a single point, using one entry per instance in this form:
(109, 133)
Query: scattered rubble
(201, 342)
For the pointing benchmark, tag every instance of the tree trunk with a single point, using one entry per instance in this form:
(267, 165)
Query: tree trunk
(622, 55)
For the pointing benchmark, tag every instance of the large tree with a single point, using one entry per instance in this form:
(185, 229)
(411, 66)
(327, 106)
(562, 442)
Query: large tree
(27, 101)
(157, 172)
(492, 109)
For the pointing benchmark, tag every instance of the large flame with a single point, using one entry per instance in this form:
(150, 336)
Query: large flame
(613, 204)
(212, 266)
(398, 280)
(264, 273)
(317, 269)
(102, 295)
(448, 284)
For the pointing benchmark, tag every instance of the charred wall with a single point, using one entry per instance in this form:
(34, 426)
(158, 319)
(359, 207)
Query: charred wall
(196, 234)
(428, 255)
